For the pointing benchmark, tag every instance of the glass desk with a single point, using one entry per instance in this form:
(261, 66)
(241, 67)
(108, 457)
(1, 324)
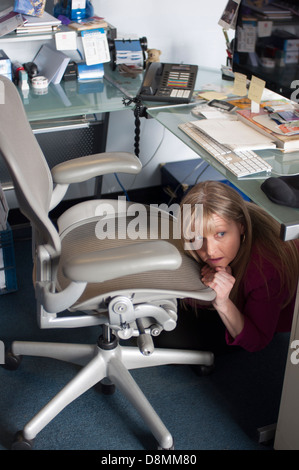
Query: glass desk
(72, 104)
(74, 98)
(71, 119)
(282, 164)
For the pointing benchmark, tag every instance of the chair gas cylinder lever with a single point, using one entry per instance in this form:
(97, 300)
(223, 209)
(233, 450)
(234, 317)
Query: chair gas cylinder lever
(144, 340)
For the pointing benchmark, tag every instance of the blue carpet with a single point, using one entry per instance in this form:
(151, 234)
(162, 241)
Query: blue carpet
(218, 412)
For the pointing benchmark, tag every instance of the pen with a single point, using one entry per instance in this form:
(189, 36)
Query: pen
(226, 38)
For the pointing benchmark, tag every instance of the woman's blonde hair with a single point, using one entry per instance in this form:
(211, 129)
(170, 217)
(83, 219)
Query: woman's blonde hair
(260, 229)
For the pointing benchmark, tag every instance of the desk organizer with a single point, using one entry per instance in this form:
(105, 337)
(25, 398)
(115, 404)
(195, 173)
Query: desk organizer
(8, 276)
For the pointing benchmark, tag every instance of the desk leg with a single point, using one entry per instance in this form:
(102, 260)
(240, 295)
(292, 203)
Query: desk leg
(287, 432)
(102, 148)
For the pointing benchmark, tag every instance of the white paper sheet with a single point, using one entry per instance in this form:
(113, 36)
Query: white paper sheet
(235, 134)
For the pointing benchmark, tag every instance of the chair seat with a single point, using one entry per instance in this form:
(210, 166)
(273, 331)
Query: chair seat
(154, 285)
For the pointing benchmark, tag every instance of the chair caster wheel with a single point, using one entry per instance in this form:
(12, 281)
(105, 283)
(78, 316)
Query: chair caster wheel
(20, 443)
(12, 362)
(162, 448)
(106, 387)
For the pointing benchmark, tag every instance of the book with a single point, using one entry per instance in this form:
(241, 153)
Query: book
(36, 29)
(45, 20)
(39, 24)
(92, 22)
(51, 63)
(10, 22)
(30, 7)
(264, 124)
(272, 11)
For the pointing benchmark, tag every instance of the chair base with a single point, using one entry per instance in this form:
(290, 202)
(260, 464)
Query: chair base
(106, 360)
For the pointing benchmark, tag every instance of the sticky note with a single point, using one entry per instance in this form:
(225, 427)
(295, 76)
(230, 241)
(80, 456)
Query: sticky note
(240, 81)
(256, 89)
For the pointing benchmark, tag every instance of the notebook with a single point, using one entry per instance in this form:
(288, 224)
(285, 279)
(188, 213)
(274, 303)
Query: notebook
(51, 63)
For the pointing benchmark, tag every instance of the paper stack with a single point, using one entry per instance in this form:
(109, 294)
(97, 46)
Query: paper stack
(263, 123)
(38, 24)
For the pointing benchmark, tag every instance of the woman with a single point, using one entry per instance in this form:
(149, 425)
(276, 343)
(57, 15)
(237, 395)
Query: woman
(253, 272)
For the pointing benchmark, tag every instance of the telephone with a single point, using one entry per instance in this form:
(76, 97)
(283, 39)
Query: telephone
(172, 83)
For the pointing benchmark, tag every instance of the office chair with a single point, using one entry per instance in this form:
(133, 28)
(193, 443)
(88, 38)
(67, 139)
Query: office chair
(84, 275)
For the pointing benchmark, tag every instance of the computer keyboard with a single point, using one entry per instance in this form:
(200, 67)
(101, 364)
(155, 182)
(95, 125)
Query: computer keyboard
(240, 163)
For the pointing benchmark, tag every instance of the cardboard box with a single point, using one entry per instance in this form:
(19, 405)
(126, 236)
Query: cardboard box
(90, 72)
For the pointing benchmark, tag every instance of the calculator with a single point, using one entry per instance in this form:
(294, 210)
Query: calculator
(222, 105)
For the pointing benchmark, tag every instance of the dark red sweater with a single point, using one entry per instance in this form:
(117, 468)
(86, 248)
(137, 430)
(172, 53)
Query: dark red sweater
(261, 305)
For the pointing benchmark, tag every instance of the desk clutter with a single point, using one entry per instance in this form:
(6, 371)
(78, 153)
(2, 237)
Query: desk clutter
(276, 119)
(231, 131)
(75, 43)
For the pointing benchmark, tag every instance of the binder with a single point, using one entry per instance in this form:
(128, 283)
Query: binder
(51, 63)
(10, 22)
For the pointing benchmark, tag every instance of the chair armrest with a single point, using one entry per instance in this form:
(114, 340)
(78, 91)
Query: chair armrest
(84, 168)
(109, 264)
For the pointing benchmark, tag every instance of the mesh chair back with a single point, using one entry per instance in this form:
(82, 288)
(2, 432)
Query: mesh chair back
(27, 165)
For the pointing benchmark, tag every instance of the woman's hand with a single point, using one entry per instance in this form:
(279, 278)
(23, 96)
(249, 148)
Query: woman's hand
(222, 281)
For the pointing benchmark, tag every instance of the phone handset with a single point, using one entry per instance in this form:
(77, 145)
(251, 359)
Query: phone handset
(151, 78)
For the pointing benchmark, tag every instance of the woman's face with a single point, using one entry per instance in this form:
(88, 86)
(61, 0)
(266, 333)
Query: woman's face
(221, 245)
